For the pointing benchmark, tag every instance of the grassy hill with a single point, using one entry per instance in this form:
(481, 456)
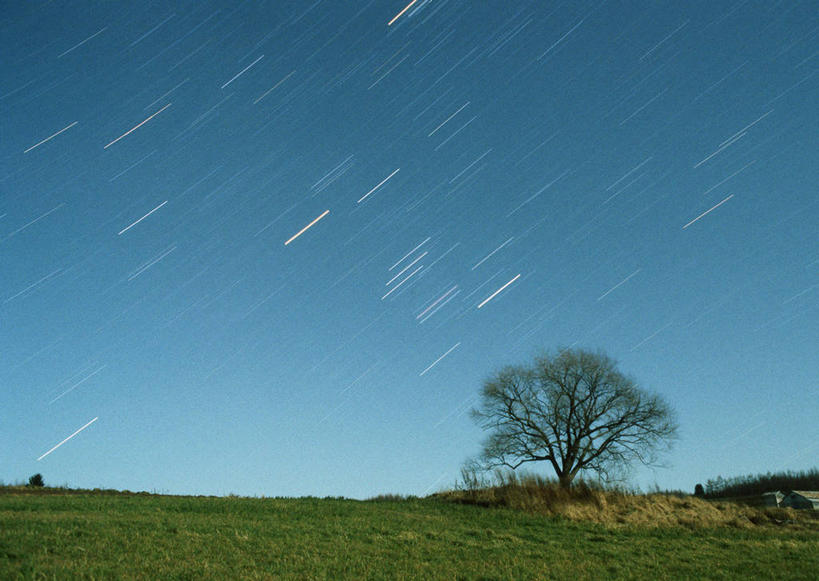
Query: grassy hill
(61, 534)
(586, 502)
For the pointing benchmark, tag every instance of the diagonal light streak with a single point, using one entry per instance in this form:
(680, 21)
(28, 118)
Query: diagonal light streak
(708, 211)
(68, 438)
(303, 230)
(137, 126)
(141, 219)
(52, 137)
(497, 292)
(397, 16)
(434, 363)
(378, 186)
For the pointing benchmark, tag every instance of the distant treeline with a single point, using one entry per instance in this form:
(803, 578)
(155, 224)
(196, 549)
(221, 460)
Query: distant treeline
(748, 485)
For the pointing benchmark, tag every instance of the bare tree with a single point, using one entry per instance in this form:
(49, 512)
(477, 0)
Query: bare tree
(574, 410)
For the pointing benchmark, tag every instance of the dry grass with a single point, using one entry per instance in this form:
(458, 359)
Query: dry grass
(614, 507)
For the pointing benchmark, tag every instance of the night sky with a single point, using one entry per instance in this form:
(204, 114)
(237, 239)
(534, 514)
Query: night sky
(275, 248)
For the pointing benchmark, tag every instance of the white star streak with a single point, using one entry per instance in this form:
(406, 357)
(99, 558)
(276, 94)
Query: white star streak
(388, 72)
(439, 307)
(494, 294)
(31, 286)
(458, 411)
(273, 87)
(21, 228)
(654, 334)
(154, 29)
(629, 173)
(622, 282)
(137, 126)
(646, 104)
(141, 219)
(406, 268)
(707, 211)
(240, 73)
(68, 438)
(82, 43)
(378, 186)
(746, 127)
(721, 147)
(453, 247)
(397, 16)
(150, 264)
(303, 230)
(561, 39)
(333, 174)
(152, 103)
(442, 297)
(799, 294)
(467, 168)
(395, 288)
(357, 379)
(537, 193)
(410, 252)
(448, 119)
(83, 380)
(457, 131)
(52, 137)
(491, 253)
(743, 168)
(451, 349)
(656, 46)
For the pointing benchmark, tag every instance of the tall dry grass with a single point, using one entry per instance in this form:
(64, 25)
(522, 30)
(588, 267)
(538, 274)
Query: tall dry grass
(588, 501)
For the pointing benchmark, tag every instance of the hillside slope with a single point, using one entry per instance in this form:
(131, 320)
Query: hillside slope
(92, 535)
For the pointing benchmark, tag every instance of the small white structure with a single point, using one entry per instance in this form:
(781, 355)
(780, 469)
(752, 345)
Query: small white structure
(772, 498)
(802, 499)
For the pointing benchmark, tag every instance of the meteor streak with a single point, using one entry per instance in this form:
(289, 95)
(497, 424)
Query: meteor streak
(68, 438)
(494, 294)
(303, 230)
(397, 16)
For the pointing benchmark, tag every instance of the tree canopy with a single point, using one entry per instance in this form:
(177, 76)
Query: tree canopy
(574, 410)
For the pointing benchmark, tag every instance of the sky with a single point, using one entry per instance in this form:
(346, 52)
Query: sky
(276, 248)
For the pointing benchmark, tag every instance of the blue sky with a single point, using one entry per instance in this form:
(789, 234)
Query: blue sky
(637, 177)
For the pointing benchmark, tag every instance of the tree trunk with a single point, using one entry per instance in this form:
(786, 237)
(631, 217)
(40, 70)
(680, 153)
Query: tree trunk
(565, 480)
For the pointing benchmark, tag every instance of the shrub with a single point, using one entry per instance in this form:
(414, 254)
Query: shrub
(391, 498)
(755, 485)
(36, 480)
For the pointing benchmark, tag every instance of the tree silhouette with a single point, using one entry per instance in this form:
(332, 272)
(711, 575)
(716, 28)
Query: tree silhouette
(36, 480)
(574, 410)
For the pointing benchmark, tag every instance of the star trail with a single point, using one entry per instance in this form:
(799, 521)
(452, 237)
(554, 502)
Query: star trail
(276, 247)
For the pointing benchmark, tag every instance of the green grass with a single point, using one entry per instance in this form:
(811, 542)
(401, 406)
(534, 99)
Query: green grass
(58, 534)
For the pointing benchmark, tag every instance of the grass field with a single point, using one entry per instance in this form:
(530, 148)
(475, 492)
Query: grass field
(56, 534)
